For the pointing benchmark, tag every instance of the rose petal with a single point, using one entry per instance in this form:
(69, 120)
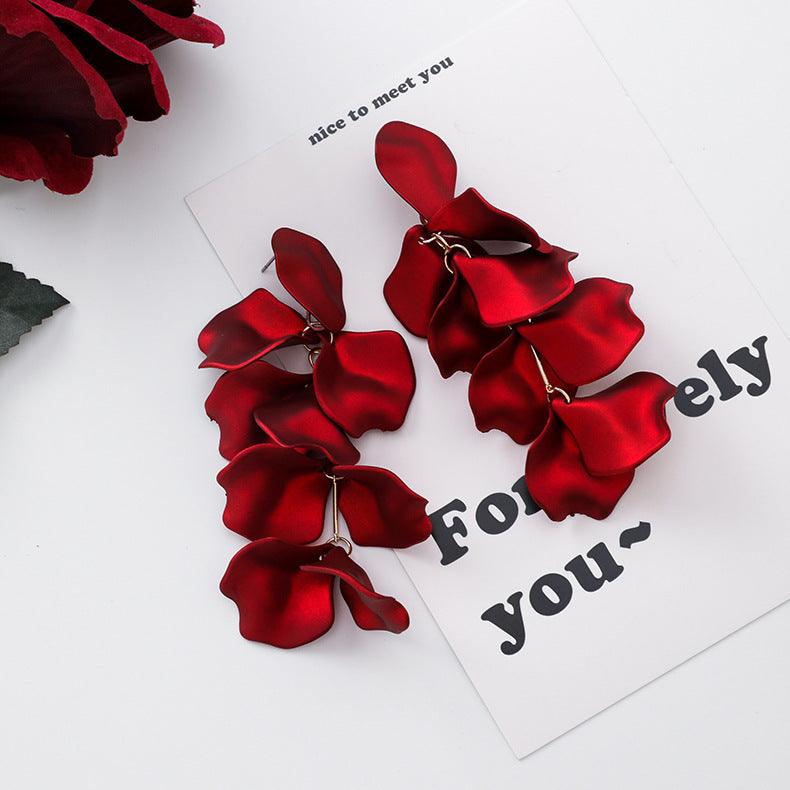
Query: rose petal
(507, 393)
(128, 66)
(309, 273)
(297, 421)
(457, 336)
(417, 284)
(236, 396)
(370, 610)
(417, 164)
(471, 216)
(275, 492)
(365, 380)
(621, 427)
(509, 289)
(250, 329)
(154, 22)
(30, 152)
(559, 482)
(279, 603)
(36, 55)
(589, 333)
(380, 509)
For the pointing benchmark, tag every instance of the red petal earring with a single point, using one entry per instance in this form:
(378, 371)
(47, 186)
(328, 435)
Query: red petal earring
(286, 436)
(529, 335)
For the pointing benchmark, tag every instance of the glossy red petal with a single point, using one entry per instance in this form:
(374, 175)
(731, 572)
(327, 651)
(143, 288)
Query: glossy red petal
(512, 288)
(297, 421)
(471, 216)
(559, 482)
(457, 337)
(619, 428)
(279, 603)
(309, 273)
(589, 333)
(127, 65)
(238, 393)
(31, 152)
(380, 509)
(365, 380)
(417, 164)
(248, 330)
(370, 610)
(36, 55)
(275, 492)
(507, 393)
(417, 284)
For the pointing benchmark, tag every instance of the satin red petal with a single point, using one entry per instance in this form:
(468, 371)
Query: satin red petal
(619, 428)
(417, 284)
(279, 603)
(370, 610)
(589, 333)
(507, 393)
(236, 396)
(297, 421)
(380, 509)
(417, 164)
(560, 483)
(248, 330)
(457, 337)
(275, 492)
(309, 273)
(30, 152)
(36, 54)
(127, 65)
(512, 288)
(471, 216)
(365, 380)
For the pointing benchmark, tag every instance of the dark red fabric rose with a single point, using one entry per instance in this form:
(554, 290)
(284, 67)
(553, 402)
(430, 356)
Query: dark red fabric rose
(70, 73)
(360, 380)
(445, 286)
(584, 459)
(285, 593)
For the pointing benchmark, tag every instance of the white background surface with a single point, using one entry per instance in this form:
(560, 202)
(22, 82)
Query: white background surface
(120, 664)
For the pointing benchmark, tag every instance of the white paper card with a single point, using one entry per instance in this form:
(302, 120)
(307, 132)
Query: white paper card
(541, 126)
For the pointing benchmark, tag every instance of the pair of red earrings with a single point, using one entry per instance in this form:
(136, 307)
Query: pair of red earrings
(528, 334)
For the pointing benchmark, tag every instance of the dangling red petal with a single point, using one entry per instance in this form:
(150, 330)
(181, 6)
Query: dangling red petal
(506, 391)
(250, 329)
(457, 337)
(279, 603)
(509, 289)
(559, 482)
(417, 284)
(275, 492)
(189, 27)
(297, 421)
(417, 164)
(589, 333)
(621, 427)
(365, 380)
(309, 273)
(380, 509)
(370, 610)
(471, 216)
(236, 396)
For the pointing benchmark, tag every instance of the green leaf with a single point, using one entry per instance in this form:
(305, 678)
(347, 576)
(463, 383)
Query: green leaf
(24, 303)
